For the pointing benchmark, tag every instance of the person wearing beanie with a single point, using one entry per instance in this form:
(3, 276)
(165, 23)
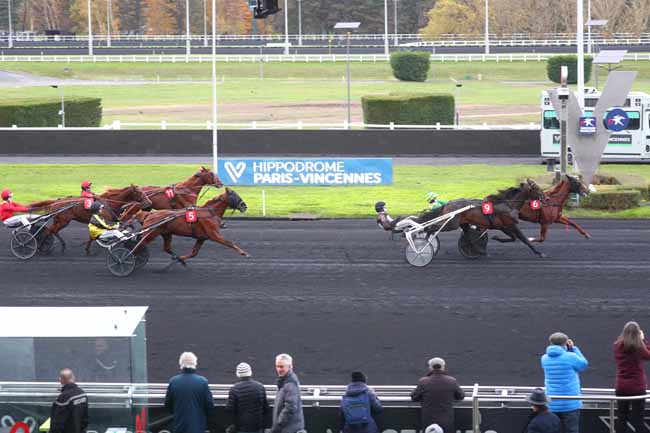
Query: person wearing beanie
(359, 407)
(436, 393)
(541, 420)
(247, 404)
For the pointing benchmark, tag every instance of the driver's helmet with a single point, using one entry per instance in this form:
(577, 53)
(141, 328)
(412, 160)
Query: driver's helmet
(380, 206)
(86, 184)
(6, 194)
(431, 197)
(95, 208)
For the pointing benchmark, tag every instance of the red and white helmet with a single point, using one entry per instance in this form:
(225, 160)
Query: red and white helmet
(86, 184)
(6, 193)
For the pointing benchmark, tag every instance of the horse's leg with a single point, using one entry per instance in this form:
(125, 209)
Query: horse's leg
(55, 228)
(167, 246)
(566, 220)
(216, 237)
(195, 250)
(87, 244)
(511, 237)
(517, 231)
(542, 233)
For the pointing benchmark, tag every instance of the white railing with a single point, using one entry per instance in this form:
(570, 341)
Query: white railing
(164, 125)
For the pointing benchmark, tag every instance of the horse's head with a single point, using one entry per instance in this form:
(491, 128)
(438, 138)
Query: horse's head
(235, 201)
(576, 186)
(533, 190)
(135, 193)
(207, 177)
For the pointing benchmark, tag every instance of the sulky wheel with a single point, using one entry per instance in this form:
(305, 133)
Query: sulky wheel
(23, 245)
(142, 257)
(120, 261)
(423, 253)
(472, 246)
(46, 245)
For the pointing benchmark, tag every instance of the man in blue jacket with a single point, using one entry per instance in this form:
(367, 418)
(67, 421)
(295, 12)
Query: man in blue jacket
(562, 364)
(189, 398)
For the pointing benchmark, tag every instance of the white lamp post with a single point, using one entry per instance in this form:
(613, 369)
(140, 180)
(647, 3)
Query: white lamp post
(300, 22)
(581, 53)
(487, 27)
(62, 111)
(349, 27)
(188, 43)
(205, 23)
(109, 16)
(11, 36)
(395, 17)
(215, 148)
(90, 30)
(386, 49)
(286, 29)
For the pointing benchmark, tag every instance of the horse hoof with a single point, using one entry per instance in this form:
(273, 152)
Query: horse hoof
(542, 255)
(531, 239)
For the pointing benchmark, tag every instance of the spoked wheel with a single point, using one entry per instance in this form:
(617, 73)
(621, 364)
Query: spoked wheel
(23, 245)
(46, 245)
(472, 245)
(120, 261)
(142, 257)
(423, 252)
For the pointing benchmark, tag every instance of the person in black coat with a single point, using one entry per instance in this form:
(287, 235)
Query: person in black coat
(247, 404)
(70, 409)
(189, 398)
(541, 420)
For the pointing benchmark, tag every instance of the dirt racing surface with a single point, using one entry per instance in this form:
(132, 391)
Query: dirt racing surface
(339, 296)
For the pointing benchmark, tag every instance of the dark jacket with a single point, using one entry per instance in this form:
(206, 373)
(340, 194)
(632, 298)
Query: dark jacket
(70, 411)
(543, 422)
(190, 401)
(630, 373)
(436, 393)
(287, 409)
(356, 388)
(248, 406)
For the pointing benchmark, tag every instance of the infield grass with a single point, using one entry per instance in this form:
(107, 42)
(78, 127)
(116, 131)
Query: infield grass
(32, 182)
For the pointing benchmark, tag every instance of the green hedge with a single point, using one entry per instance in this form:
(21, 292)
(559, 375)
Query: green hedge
(408, 109)
(612, 200)
(554, 64)
(410, 65)
(79, 112)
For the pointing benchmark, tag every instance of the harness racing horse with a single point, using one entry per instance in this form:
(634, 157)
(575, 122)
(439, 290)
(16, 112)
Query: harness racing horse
(168, 223)
(112, 199)
(551, 210)
(506, 208)
(183, 194)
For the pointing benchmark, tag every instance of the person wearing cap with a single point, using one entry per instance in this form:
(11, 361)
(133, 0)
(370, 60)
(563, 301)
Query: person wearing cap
(97, 226)
(562, 365)
(247, 404)
(189, 398)
(437, 392)
(434, 203)
(8, 207)
(359, 406)
(86, 191)
(541, 420)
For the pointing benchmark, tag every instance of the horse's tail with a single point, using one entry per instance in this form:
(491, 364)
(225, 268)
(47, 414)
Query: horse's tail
(42, 204)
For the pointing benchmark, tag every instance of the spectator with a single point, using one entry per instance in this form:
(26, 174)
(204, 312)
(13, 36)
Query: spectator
(247, 403)
(630, 350)
(287, 410)
(436, 393)
(541, 420)
(189, 398)
(359, 406)
(562, 364)
(70, 409)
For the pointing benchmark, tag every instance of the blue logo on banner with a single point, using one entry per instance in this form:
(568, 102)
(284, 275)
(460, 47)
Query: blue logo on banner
(302, 172)
(617, 120)
(587, 125)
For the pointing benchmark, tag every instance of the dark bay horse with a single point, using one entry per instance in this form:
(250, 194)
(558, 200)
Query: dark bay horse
(552, 206)
(112, 199)
(184, 194)
(506, 207)
(206, 227)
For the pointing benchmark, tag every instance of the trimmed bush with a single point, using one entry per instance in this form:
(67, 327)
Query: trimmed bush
(410, 65)
(612, 200)
(408, 109)
(79, 112)
(554, 64)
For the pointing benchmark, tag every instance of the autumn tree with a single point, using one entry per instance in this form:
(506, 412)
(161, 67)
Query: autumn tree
(453, 16)
(159, 16)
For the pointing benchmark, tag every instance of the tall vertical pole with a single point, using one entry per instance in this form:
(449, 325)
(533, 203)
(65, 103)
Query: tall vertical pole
(395, 19)
(386, 49)
(188, 43)
(215, 148)
(589, 27)
(205, 23)
(109, 22)
(11, 36)
(487, 27)
(348, 74)
(62, 106)
(581, 54)
(286, 29)
(300, 22)
(90, 31)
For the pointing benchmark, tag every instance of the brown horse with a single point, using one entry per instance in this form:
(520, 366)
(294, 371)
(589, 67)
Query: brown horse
(206, 227)
(113, 200)
(506, 207)
(551, 210)
(184, 194)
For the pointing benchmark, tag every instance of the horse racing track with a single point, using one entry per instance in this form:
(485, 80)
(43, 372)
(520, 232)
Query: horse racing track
(339, 295)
